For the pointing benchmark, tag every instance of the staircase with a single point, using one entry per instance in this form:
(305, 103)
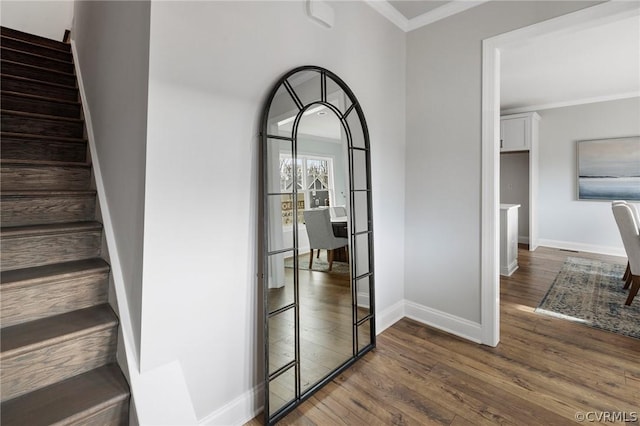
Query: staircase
(59, 334)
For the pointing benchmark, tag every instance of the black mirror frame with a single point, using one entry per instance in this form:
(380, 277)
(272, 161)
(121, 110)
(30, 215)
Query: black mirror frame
(264, 193)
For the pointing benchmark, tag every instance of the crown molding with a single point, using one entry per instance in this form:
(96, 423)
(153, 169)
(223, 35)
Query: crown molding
(391, 13)
(574, 102)
(384, 8)
(444, 11)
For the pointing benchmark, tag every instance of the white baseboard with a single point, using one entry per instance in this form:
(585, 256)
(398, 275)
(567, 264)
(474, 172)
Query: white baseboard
(446, 322)
(523, 240)
(389, 316)
(509, 270)
(248, 405)
(240, 410)
(590, 248)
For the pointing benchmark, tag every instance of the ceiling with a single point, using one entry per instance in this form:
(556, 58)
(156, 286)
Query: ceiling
(411, 8)
(588, 65)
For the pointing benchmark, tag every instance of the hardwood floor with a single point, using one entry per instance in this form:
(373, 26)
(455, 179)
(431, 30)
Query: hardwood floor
(544, 371)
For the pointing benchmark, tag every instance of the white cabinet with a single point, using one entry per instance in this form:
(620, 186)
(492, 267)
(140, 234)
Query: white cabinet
(518, 132)
(508, 238)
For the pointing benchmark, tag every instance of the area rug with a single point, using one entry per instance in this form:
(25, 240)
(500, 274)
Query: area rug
(590, 292)
(319, 264)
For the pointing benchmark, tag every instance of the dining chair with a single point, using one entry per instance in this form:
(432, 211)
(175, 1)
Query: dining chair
(320, 232)
(636, 214)
(338, 211)
(626, 220)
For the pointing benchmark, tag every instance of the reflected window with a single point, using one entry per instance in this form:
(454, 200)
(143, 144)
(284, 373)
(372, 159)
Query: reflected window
(314, 182)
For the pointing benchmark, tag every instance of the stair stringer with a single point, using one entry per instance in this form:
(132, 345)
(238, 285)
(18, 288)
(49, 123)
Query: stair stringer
(159, 395)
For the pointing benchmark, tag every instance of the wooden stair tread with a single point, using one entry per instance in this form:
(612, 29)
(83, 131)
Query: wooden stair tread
(44, 163)
(67, 74)
(47, 58)
(47, 83)
(35, 39)
(73, 399)
(38, 98)
(45, 193)
(56, 228)
(41, 116)
(56, 271)
(28, 336)
(6, 135)
(35, 44)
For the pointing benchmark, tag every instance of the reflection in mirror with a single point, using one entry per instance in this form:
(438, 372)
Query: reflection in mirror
(357, 135)
(360, 210)
(359, 169)
(307, 86)
(362, 254)
(364, 335)
(317, 236)
(363, 308)
(280, 292)
(281, 340)
(326, 331)
(282, 390)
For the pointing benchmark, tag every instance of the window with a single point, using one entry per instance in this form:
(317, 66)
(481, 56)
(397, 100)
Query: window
(313, 181)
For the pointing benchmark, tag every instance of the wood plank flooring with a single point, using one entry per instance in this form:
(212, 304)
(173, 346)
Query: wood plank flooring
(544, 371)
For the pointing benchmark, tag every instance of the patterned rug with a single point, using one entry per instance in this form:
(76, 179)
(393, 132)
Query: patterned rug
(590, 292)
(319, 264)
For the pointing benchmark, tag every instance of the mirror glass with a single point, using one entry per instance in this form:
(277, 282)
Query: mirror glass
(318, 280)
(326, 332)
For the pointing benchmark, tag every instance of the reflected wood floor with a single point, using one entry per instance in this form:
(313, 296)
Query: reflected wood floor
(543, 371)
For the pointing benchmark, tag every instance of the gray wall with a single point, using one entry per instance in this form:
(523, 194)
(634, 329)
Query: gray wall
(514, 187)
(442, 234)
(212, 65)
(112, 42)
(564, 221)
(44, 18)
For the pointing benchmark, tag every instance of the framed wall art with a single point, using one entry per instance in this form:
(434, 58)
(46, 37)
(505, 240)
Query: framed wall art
(609, 169)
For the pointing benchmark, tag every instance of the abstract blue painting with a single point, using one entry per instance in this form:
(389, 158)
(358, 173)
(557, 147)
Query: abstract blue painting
(609, 169)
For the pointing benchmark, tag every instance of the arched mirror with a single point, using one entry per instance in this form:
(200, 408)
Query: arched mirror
(318, 275)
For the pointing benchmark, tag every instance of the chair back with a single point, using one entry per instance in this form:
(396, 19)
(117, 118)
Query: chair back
(634, 210)
(320, 231)
(338, 211)
(628, 227)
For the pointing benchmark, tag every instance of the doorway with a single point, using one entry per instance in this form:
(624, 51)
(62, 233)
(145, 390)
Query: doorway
(490, 193)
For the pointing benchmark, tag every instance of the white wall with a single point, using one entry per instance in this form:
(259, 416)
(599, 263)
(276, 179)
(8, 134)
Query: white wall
(211, 66)
(112, 44)
(565, 222)
(44, 18)
(442, 234)
(514, 187)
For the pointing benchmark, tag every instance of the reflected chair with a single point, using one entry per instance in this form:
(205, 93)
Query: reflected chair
(636, 214)
(625, 218)
(320, 232)
(338, 211)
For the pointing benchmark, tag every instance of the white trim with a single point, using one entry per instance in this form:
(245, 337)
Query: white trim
(442, 12)
(589, 248)
(509, 270)
(595, 15)
(582, 101)
(385, 9)
(389, 316)
(107, 224)
(490, 196)
(240, 410)
(177, 404)
(441, 320)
